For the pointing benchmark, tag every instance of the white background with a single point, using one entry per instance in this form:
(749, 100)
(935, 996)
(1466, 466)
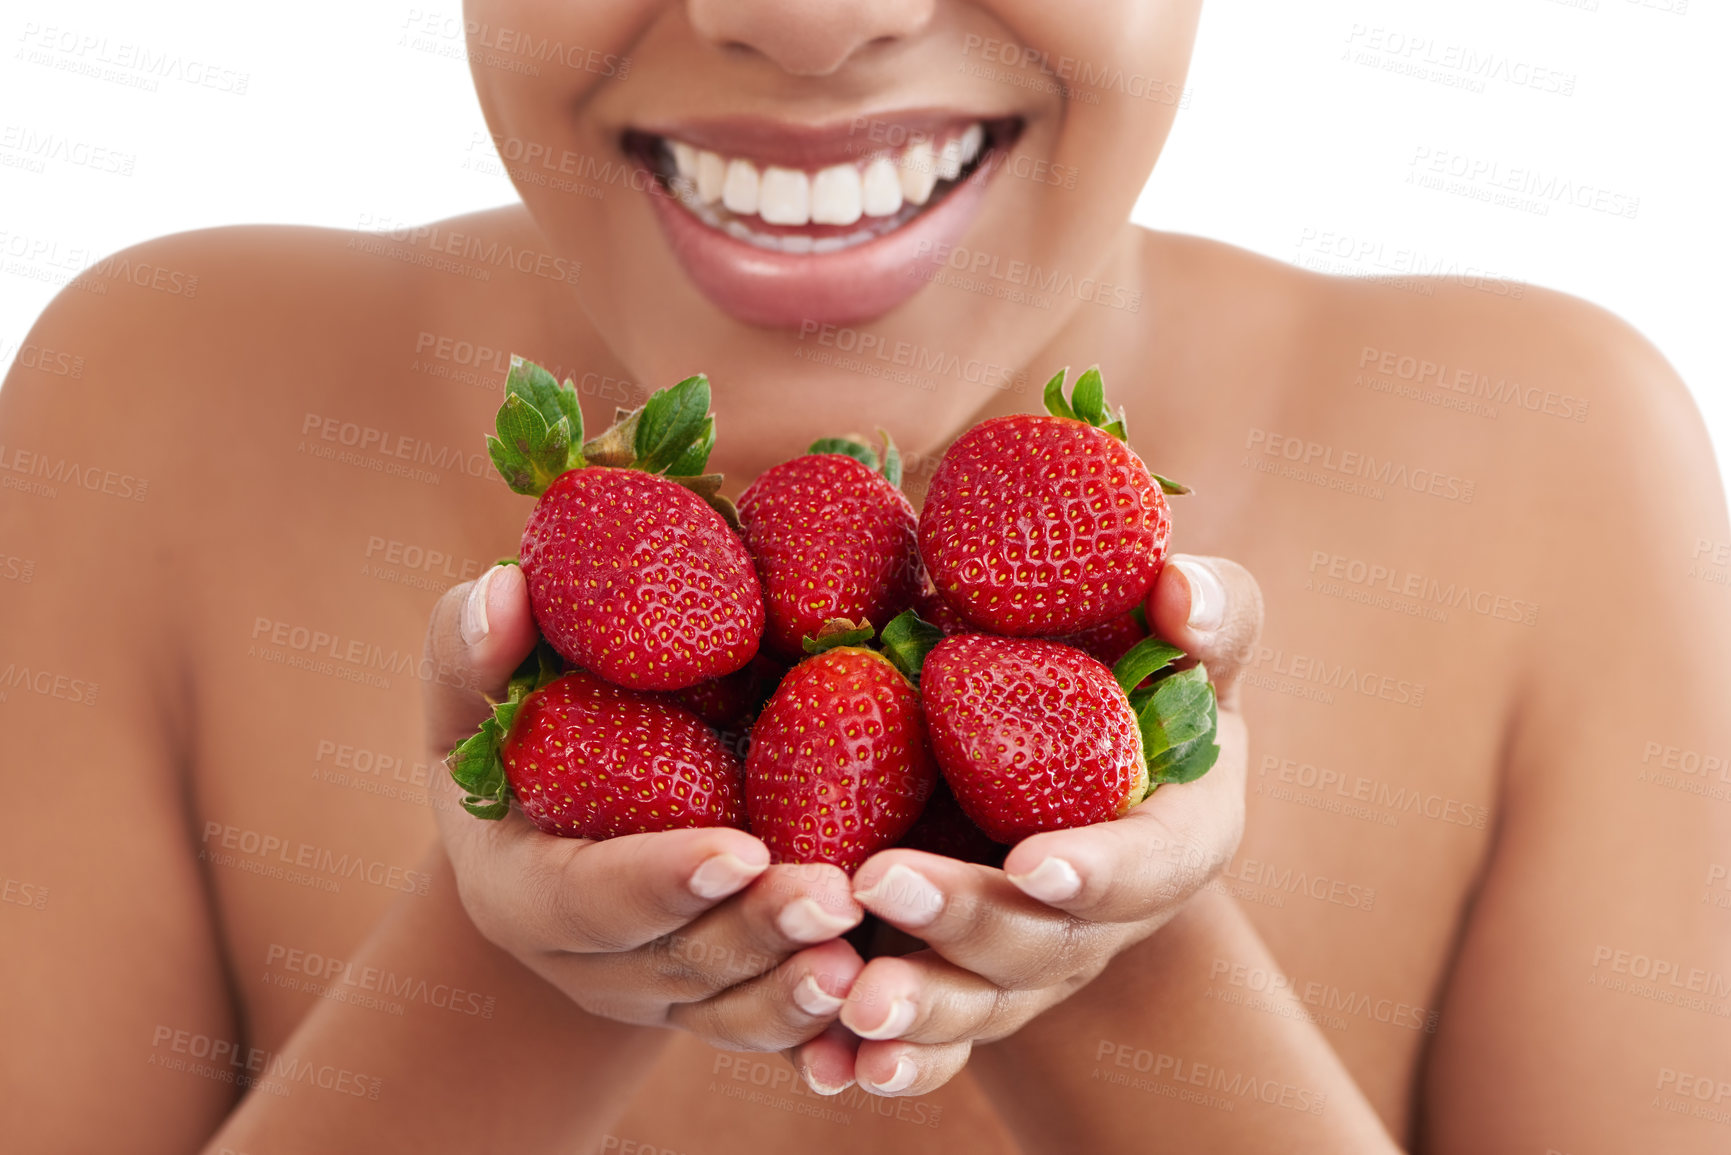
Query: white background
(1303, 124)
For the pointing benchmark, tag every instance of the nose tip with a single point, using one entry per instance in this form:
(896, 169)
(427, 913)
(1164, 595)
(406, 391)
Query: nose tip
(807, 37)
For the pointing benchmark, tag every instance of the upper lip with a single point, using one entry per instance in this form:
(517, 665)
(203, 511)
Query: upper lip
(813, 146)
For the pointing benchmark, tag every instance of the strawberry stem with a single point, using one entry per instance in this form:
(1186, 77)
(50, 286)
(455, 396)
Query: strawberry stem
(891, 466)
(838, 632)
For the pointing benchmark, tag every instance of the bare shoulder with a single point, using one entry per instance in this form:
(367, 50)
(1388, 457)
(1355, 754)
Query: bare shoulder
(212, 303)
(1555, 401)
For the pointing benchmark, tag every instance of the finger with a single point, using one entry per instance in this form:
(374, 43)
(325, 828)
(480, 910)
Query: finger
(976, 919)
(826, 1062)
(924, 998)
(1143, 865)
(778, 1010)
(478, 634)
(788, 908)
(546, 893)
(1211, 608)
(905, 1070)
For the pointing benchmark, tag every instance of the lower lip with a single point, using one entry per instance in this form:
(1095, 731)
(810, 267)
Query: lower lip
(783, 290)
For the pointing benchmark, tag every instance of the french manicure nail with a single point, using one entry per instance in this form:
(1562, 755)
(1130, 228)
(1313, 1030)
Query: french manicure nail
(904, 897)
(803, 920)
(900, 1018)
(474, 623)
(1054, 880)
(815, 1001)
(721, 875)
(900, 1080)
(821, 1088)
(1207, 595)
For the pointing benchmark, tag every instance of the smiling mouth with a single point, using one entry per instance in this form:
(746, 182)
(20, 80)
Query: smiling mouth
(869, 191)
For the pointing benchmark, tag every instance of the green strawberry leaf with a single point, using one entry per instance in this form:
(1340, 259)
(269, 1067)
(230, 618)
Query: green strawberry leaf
(538, 426)
(1167, 485)
(838, 632)
(1089, 397)
(696, 456)
(1178, 720)
(491, 811)
(1146, 657)
(906, 641)
(477, 763)
(1056, 405)
(542, 390)
(892, 469)
(670, 421)
(1118, 426)
(847, 447)
(1185, 763)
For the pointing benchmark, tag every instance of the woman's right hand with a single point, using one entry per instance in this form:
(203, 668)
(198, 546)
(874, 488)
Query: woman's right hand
(690, 928)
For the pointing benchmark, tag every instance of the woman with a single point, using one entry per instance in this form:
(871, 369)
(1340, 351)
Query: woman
(1452, 884)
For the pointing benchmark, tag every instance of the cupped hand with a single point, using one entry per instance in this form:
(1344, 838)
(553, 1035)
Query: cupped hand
(691, 929)
(1005, 945)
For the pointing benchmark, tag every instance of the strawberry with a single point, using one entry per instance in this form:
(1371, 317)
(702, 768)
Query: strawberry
(839, 768)
(1035, 735)
(1046, 525)
(633, 569)
(588, 759)
(833, 538)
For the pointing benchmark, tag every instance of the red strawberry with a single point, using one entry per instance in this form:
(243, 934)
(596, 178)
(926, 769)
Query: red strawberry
(838, 768)
(1046, 525)
(588, 759)
(1108, 641)
(833, 538)
(1032, 735)
(633, 570)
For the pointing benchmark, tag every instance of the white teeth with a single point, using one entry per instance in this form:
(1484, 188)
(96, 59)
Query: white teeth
(711, 177)
(950, 159)
(685, 159)
(881, 188)
(887, 188)
(739, 194)
(971, 141)
(919, 172)
(785, 197)
(835, 195)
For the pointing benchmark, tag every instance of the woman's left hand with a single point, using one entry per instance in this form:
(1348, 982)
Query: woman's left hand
(1005, 945)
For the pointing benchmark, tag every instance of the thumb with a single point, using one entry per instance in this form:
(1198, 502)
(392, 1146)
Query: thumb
(479, 633)
(1212, 609)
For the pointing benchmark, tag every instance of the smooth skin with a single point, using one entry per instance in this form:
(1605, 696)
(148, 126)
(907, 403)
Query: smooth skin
(1452, 886)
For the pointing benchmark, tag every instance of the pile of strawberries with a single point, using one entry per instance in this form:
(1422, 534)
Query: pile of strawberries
(821, 666)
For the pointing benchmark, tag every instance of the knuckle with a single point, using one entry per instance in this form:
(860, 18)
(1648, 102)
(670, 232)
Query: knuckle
(677, 966)
(1044, 953)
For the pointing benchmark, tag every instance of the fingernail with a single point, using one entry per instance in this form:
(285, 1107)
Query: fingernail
(815, 1001)
(805, 921)
(1207, 595)
(1054, 880)
(474, 624)
(900, 1018)
(811, 1081)
(722, 875)
(904, 897)
(900, 1080)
